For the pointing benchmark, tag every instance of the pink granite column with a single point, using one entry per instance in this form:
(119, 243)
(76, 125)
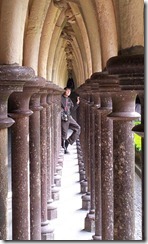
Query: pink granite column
(106, 211)
(35, 162)
(86, 172)
(19, 111)
(124, 164)
(51, 207)
(8, 84)
(90, 218)
(54, 189)
(106, 167)
(97, 173)
(46, 229)
(139, 130)
(128, 71)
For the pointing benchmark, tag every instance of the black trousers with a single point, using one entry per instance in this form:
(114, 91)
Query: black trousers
(73, 125)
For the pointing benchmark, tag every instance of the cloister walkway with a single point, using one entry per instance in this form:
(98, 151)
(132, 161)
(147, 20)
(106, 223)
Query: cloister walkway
(69, 224)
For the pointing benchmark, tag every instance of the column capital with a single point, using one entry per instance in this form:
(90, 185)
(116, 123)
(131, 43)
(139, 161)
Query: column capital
(129, 64)
(35, 98)
(124, 106)
(12, 79)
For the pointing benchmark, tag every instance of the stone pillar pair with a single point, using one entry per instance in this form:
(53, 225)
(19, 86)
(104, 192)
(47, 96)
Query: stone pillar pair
(123, 111)
(35, 161)
(102, 183)
(127, 71)
(20, 112)
(12, 79)
(40, 161)
(25, 217)
(46, 228)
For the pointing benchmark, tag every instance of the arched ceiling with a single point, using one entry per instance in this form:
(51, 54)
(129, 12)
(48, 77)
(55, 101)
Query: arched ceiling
(68, 38)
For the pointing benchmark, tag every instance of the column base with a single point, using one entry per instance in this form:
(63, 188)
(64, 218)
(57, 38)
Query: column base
(47, 232)
(84, 186)
(90, 222)
(59, 170)
(82, 175)
(57, 180)
(51, 211)
(97, 238)
(60, 162)
(86, 201)
(81, 166)
(55, 193)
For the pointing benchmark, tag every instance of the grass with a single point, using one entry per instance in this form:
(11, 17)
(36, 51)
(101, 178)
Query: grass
(137, 139)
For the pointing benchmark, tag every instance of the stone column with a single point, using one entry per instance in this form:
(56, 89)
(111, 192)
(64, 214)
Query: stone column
(84, 148)
(8, 84)
(86, 197)
(35, 162)
(106, 212)
(90, 218)
(19, 111)
(97, 174)
(57, 135)
(106, 167)
(54, 189)
(139, 130)
(51, 207)
(46, 229)
(124, 164)
(128, 71)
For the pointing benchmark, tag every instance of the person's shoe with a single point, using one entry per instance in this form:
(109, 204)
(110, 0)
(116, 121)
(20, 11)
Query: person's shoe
(66, 146)
(63, 144)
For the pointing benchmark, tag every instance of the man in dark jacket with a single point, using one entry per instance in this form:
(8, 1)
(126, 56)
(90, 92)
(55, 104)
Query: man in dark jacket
(68, 121)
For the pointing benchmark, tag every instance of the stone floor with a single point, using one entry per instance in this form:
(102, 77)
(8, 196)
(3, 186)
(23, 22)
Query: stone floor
(69, 225)
(70, 222)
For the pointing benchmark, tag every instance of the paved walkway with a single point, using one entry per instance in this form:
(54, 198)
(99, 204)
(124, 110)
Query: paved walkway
(70, 222)
(69, 225)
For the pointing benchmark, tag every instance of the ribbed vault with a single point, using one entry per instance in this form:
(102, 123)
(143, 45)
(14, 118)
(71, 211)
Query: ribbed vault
(68, 38)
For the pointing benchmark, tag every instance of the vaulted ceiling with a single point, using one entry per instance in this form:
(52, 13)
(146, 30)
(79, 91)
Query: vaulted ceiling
(68, 38)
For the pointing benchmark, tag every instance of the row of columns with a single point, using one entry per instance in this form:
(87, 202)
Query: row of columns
(30, 106)
(107, 115)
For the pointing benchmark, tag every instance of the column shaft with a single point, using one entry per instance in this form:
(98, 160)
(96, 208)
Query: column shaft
(124, 170)
(35, 169)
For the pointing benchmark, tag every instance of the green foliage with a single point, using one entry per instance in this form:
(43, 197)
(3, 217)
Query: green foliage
(137, 139)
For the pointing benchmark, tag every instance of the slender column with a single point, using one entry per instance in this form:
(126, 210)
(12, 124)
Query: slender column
(129, 72)
(103, 160)
(8, 84)
(86, 197)
(106, 167)
(51, 207)
(35, 164)
(57, 119)
(46, 230)
(139, 130)
(90, 218)
(124, 164)
(54, 189)
(97, 172)
(19, 111)
(84, 181)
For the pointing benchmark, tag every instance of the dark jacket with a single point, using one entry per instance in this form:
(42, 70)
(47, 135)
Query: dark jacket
(70, 106)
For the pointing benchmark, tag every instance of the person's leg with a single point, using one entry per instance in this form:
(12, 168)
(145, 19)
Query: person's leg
(75, 127)
(64, 130)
